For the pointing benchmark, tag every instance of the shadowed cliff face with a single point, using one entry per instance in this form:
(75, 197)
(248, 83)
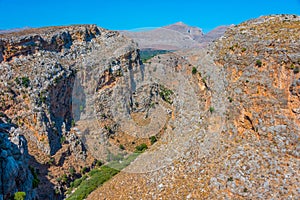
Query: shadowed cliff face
(14, 170)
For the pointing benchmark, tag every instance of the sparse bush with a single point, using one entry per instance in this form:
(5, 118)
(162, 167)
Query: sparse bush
(72, 171)
(153, 139)
(194, 70)
(51, 161)
(165, 94)
(81, 108)
(19, 196)
(99, 163)
(24, 81)
(141, 148)
(211, 109)
(258, 63)
(64, 178)
(121, 146)
(84, 170)
(73, 123)
(62, 139)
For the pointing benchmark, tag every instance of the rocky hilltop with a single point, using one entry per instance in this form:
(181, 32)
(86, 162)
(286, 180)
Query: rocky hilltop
(175, 37)
(221, 121)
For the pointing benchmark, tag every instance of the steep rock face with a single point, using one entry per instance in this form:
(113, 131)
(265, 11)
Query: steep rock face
(51, 74)
(14, 170)
(235, 135)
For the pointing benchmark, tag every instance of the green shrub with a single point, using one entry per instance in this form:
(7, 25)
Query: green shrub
(73, 123)
(258, 63)
(72, 171)
(153, 139)
(211, 109)
(194, 70)
(84, 170)
(35, 181)
(24, 81)
(122, 147)
(64, 178)
(141, 148)
(62, 139)
(165, 94)
(77, 182)
(99, 163)
(96, 178)
(51, 161)
(19, 196)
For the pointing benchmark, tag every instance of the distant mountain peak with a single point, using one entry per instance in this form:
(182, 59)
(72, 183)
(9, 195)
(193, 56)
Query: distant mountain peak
(180, 23)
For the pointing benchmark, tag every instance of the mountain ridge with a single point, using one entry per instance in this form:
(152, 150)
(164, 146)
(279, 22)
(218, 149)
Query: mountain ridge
(175, 36)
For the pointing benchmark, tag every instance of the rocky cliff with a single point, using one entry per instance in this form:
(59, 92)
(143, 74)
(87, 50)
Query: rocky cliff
(49, 74)
(14, 169)
(59, 85)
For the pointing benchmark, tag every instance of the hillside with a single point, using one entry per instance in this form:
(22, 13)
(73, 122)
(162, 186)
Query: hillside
(234, 131)
(80, 110)
(174, 37)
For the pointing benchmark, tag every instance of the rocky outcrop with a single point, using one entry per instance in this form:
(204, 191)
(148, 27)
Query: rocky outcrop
(14, 170)
(63, 86)
(51, 75)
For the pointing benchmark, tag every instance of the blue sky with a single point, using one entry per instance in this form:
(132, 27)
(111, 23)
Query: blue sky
(131, 14)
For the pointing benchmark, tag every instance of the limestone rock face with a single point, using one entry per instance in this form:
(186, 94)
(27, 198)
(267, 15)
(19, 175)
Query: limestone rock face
(50, 76)
(14, 169)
